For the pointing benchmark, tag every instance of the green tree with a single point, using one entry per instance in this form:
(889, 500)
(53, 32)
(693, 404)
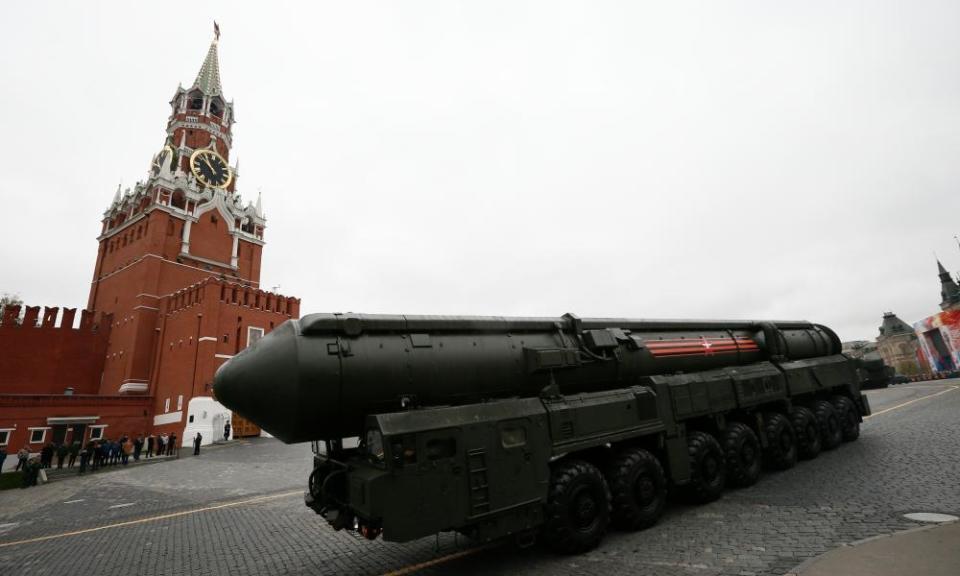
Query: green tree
(13, 300)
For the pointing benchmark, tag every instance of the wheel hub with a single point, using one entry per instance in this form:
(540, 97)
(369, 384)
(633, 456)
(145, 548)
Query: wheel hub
(710, 468)
(786, 442)
(585, 510)
(645, 490)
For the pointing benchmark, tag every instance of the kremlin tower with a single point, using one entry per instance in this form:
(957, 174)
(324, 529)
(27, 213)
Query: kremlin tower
(175, 292)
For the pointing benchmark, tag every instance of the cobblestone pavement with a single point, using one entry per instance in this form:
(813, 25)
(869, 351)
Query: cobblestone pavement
(238, 510)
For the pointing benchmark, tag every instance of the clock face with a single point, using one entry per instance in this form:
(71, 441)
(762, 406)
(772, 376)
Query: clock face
(210, 169)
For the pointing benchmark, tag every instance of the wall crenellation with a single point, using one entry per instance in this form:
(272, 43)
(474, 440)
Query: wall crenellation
(53, 318)
(233, 293)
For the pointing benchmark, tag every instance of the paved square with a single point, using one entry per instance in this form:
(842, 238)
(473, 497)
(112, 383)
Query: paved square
(238, 510)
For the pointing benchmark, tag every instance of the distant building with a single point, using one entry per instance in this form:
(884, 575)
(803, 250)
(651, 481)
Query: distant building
(175, 293)
(899, 346)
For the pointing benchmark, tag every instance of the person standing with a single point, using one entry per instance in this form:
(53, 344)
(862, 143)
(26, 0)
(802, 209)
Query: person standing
(226, 431)
(172, 448)
(62, 451)
(31, 470)
(3, 457)
(46, 456)
(22, 455)
(126, 449)
(150, 443)
(137, 447)
(74, 451)
(197, 440)
(85, 457)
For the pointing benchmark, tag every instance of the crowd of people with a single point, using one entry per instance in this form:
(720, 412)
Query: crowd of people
(96, 454)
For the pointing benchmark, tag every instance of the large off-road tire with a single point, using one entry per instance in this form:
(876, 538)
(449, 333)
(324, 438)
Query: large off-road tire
(638, 488)
(578, 507)
(808, 432)
(830, 432)
(848, 416)
(743, 455)
(707, 468)
(781, 452)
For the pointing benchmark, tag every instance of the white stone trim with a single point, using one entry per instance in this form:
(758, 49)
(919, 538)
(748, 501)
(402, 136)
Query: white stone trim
(99, 427)
(134, 387)
(251, 329)
(72, 419)
(145, 308)
(170, 418)
(224, 356)
(207, 339)
(123, 226)
(209, 261)
(138, 260)
(234, 257)
(8, 431)
(185, 242)
(33, 429)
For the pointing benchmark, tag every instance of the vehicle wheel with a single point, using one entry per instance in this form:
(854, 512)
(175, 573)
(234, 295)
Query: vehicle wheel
(808, 432)
(830, 433)
(638, 488)
(781, 452)
(848, 416)
(742, 450)
(707, 468)
(578, 507)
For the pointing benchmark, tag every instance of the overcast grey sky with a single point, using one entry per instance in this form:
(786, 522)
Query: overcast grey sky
(719, 159)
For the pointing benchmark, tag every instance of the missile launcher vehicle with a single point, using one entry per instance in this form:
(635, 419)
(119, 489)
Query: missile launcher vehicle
(549, 429)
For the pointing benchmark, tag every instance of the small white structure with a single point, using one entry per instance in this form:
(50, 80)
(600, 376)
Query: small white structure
(206, 416)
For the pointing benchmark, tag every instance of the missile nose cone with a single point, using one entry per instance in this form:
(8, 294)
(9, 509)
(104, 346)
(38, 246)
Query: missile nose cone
(262, 383)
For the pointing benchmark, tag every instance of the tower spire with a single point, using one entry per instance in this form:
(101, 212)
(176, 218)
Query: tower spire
(942, 271)
(949, 290)
(208, 79)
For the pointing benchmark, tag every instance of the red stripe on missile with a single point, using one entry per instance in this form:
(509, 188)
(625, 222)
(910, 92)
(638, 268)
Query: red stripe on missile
(702, 347)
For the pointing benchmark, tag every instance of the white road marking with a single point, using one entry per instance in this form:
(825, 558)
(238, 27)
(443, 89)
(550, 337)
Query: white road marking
(74, 501)
(4, 528)
(901, 405)
(121, 505)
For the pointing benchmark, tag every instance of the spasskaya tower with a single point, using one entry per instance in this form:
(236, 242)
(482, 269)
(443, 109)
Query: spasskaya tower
(175, 294)
(185, 223)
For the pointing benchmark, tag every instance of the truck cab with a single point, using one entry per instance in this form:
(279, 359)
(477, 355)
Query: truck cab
(415, 473)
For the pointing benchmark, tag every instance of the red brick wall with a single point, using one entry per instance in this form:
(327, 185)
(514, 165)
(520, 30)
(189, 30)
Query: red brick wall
(210, 237)
(202, 327)
(49, 358)
(122, 415)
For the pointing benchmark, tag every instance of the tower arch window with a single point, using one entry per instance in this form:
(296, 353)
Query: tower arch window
(216, 107)
(195, 101)
(179, 200)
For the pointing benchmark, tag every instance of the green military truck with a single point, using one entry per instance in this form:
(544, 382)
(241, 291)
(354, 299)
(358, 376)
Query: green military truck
(549, 429)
